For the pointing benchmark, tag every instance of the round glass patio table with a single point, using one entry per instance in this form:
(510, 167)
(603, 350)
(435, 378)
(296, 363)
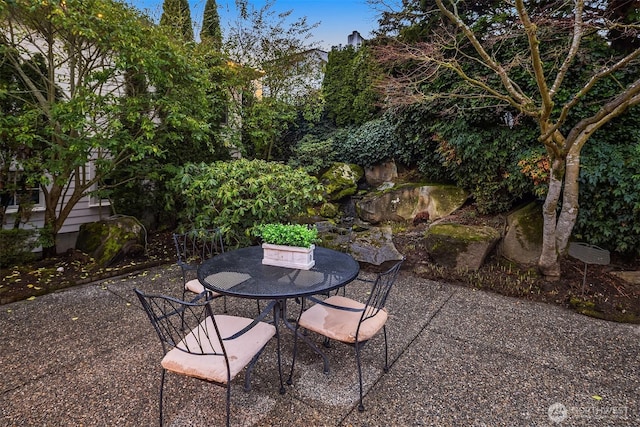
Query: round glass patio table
(240, 273)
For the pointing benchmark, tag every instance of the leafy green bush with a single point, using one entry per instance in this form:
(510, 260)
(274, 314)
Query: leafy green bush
(609, 197)
(367, 145)
(238, 195)
(312, 154)
(416, 145)
(287, 234)
(17, 246)
(484, 160)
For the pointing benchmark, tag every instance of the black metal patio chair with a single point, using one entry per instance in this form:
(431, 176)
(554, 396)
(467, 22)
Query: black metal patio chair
(212, 348)
(192, 248)
(349, 321)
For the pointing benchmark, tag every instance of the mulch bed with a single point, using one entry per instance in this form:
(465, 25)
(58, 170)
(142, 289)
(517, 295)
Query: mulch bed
(604, 295)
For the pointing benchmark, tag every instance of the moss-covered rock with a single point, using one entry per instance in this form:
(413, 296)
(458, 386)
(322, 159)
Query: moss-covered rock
(405, 202)
(341, 180)
(374, 245)
(109, 240)
(329, 210)
(522, 242)
(381, 173)
(460, 246)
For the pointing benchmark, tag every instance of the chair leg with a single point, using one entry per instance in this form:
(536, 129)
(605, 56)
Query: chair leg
(357, 347)
(249, 370)
(161, 394)
(184, 296)
(386, 350)
(228, 403)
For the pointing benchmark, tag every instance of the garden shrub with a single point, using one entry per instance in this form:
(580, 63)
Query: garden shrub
(17, 246)
(367, 145)
(484, 160)
(609, 197)
(416, 146)
(238, 195)
(312, 154)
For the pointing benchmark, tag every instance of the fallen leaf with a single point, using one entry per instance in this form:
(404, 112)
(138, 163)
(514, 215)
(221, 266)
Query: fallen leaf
(31, 298)
(74, 318)
(596, 397)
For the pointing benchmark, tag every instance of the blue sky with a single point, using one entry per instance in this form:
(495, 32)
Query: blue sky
(338, 18)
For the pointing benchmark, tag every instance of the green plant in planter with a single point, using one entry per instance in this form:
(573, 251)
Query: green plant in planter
(287, 234)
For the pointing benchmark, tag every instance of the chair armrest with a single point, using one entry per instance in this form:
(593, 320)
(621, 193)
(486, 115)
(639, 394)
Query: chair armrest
(257, 320)
(337, 307)
(186, 266)
(198, 297)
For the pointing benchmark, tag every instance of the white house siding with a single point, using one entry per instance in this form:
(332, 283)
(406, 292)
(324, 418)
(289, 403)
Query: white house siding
(85, 210)
(82, 213)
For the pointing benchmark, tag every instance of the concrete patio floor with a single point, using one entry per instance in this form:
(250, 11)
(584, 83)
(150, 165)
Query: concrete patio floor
(460, 357)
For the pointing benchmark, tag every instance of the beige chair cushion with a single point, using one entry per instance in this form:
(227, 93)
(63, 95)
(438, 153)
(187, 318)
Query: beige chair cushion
(240, 351)
(339, 324)
(194, 286)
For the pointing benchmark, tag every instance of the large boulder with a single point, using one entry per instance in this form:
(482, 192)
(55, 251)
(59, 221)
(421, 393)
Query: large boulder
(109, 240)
(522, 241)
(374, 245)
(335, 236)
(460, 246)
(341, 180)
(405, 202)
(381, 173)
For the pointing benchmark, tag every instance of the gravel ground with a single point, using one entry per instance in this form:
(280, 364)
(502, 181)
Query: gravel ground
(88, 356)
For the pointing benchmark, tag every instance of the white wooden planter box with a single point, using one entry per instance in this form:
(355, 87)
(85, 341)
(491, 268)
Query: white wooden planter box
(288, 256)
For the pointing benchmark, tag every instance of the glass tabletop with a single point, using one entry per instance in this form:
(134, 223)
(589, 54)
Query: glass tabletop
(241, 273)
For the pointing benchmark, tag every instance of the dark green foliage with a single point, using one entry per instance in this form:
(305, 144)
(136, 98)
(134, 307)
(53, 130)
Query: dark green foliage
(264, 122)
(211, 32)
(312, 154)
(373, 142)
(177, 15)
(483, 160)
(609, 214)
(16, 246)
(348, 86)
(417, 148)
(240, 194)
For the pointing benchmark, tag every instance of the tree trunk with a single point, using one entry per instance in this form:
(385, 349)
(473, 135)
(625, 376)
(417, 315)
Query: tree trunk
(570, 205)
(549, 263)
(51, 227)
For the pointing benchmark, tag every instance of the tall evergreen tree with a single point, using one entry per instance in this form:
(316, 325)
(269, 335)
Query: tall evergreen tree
(176, 14)
(211, 32)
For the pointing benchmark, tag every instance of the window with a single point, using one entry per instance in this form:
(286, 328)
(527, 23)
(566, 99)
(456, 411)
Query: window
(22, 192)
(99, 197)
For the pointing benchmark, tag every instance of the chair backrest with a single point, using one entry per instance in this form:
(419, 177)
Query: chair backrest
(196, 246)
(380, 291)
(188, 326)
